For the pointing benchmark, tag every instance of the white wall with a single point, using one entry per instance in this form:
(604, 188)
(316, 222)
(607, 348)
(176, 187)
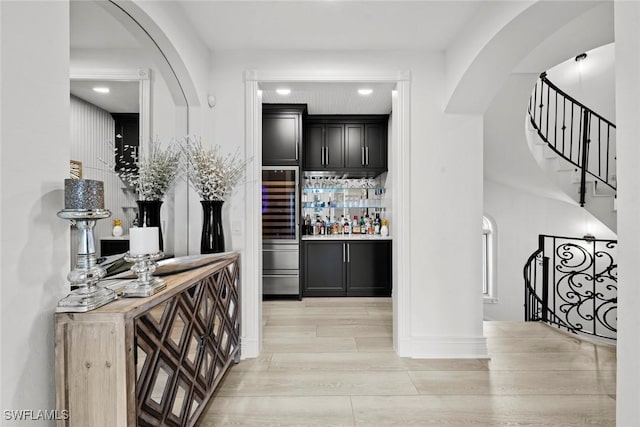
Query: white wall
(34, 162)
(592, 81)
(520, 217)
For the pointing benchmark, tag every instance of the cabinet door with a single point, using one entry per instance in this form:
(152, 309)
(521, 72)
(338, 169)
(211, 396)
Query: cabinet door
(334, 143)
(314, 146)
(280, 139)
(375, 146)
(354, 146)
(369, 268)
(324, 269)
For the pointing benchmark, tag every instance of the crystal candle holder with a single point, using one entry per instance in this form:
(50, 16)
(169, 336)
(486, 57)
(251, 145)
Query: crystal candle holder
(146, 284)
(84, 205)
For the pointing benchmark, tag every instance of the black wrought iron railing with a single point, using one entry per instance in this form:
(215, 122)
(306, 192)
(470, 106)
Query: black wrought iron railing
(579, 135)
(573, 283)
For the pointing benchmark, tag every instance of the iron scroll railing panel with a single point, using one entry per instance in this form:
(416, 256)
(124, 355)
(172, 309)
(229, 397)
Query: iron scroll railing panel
(572, 283)
(581, 136)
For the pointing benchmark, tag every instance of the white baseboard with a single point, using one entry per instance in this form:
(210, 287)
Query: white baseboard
(249, 348)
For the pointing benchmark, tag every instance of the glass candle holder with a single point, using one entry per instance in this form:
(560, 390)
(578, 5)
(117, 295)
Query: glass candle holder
(146, 284)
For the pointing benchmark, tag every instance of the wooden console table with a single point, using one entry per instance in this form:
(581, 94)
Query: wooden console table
(150, 361)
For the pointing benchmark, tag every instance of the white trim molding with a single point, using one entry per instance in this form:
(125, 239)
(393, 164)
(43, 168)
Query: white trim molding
(400, 155)
(251, 266)
(400, 165)
(449, 348)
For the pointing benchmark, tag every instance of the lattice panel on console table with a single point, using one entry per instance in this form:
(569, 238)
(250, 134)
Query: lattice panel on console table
(183, 347)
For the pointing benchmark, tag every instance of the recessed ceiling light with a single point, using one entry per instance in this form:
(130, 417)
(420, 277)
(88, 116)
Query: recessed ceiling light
(101, 89)
(365, 91)
(283, 91)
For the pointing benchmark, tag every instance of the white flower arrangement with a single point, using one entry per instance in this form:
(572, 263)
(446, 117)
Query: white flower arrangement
(155, 173)
(211, 174)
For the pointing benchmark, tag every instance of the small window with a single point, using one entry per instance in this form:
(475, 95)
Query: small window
(489, 290)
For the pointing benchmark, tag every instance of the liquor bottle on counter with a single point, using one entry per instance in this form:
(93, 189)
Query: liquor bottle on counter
(341, 224)
(355, 228)
(327, 226)
(364, 224)
(376, 224)
(370, 228)
(347, 225)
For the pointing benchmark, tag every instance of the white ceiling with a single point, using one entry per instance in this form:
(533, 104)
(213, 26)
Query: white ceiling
(122, 96)
(324, 25)
(329, 25)
(332, 98)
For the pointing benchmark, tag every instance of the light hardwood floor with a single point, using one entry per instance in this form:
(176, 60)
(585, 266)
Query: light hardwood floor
(330, 362)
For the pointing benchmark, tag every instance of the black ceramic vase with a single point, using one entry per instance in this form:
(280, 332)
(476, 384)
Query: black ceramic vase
(149, 216)
(212, 239)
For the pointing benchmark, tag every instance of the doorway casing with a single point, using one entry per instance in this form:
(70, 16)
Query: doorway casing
(399, 163)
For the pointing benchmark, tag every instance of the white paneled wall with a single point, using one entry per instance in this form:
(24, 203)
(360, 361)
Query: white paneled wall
(92, 143)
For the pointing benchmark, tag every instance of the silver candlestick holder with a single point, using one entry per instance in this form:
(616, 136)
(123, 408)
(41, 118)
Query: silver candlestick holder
(86, 273)
(146, 284)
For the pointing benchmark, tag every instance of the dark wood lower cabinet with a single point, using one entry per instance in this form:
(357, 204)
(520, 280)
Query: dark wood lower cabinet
(369, 269)
(347, 268)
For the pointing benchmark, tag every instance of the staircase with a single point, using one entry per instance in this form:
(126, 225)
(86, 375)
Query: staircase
(576, 147)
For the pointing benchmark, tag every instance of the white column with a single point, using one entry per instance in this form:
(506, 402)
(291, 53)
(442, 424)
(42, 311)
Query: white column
(627, 36)
(446, 216)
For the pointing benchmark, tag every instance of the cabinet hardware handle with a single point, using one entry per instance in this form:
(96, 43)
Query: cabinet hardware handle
(348, 252)
(343, 253)
(362, 156)
(366, 150)
(297, 147)
(322, 162)
(326, 155)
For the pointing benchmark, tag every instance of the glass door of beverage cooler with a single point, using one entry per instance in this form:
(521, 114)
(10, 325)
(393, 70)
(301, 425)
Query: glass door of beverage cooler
(279, 204)
(280, 248)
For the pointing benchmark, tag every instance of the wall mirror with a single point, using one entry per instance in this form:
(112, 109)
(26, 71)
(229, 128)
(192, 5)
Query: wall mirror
(122, 97)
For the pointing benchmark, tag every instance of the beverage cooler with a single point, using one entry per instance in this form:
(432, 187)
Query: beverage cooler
(280, 231)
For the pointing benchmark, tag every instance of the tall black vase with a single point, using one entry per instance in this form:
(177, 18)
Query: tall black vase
(149, 216)
(212, 239)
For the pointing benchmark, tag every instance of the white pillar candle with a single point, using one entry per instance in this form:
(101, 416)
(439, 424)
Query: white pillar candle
(143, 241)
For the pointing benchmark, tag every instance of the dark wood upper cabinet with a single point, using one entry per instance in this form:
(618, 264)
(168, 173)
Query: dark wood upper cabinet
(334, 143)
(314, 146)
(282, 134)
(375, 145)
(356, 145)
